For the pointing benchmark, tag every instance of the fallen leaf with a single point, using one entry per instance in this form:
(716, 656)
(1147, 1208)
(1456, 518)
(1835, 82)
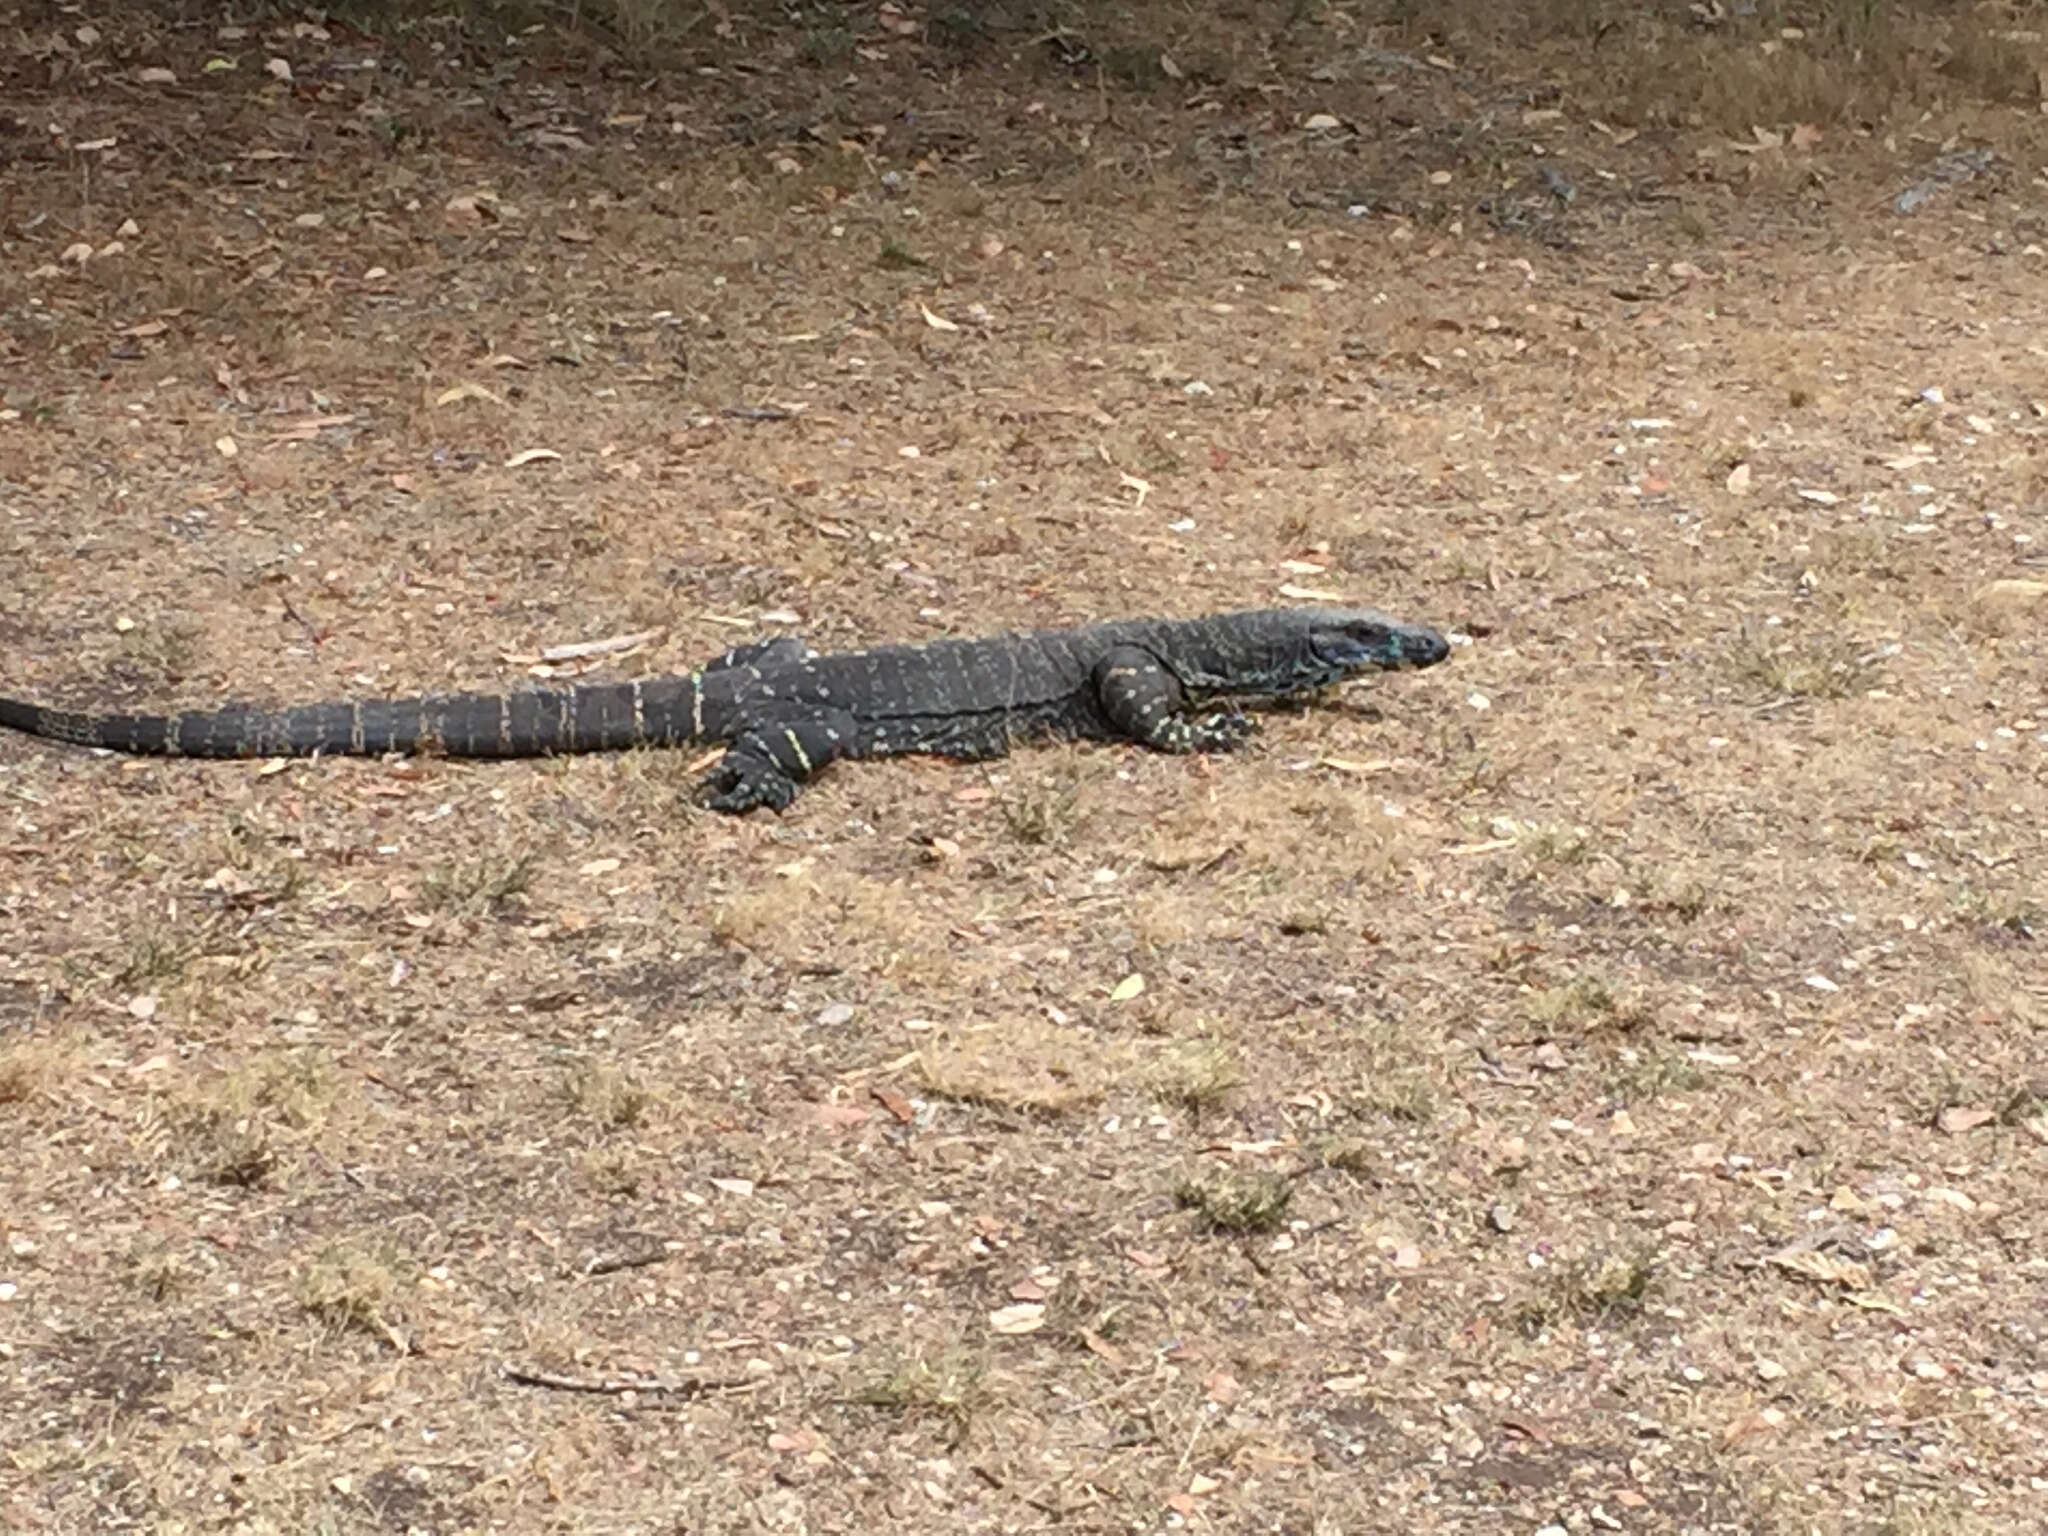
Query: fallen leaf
(895, 1103)
(1826, 1268)
(1955, 1120)
(1101, 1347)
(1027, 1289)
(1024, 1317)
(1371, 765)
(1752, 1424)
(2012, 593)
(465, 391)
(937, 322)
(529, 456)
(1738, 480)
(1222, 1388)
(840, 1116)
(611, 645)
(734, 1186)
(1128, 988)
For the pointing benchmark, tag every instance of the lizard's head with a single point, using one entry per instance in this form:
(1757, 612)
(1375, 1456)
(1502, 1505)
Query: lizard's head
(1283, 652)
(1351, 640)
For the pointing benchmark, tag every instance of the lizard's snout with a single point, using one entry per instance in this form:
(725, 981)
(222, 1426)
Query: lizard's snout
(1424, 648)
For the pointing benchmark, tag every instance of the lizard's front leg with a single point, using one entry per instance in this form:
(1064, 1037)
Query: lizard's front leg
(1145, 701)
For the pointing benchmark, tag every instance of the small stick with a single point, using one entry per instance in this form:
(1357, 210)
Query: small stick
(680, 1386)
(612, 1263)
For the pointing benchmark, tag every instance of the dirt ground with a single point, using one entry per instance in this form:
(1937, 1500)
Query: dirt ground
(1596, 1085)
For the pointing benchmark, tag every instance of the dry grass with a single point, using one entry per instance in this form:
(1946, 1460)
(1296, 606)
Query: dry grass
(355, 1286)
(1023, 1066)
(1237, 1206)
(1598, 1082)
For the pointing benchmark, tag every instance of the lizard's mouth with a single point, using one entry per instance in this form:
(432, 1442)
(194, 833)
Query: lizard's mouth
(1388, 651)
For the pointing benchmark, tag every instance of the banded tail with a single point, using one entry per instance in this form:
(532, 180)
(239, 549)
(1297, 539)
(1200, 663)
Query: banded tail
(664, 711)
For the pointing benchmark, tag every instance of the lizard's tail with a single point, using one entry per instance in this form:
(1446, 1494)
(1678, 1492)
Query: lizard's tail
(539, 723)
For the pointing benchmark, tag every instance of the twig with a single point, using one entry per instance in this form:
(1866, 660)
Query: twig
(612, 1263)
(1841, 1235)
(678, 1386)
(313, 636)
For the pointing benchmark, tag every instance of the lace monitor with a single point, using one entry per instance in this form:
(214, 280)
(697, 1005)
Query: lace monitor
(784, 713)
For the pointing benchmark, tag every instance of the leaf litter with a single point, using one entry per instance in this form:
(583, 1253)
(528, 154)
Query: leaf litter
(852, 1220)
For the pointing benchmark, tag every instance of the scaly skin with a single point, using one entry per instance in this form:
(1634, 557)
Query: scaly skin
(784, 714)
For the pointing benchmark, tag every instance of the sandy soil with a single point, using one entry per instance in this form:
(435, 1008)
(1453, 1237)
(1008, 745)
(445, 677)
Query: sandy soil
(1598, 1084)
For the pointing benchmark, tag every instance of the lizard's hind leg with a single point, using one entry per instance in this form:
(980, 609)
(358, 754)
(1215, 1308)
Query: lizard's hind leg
(774, 756)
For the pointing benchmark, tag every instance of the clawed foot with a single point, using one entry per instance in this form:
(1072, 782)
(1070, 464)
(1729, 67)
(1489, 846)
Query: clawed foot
(1223, 732)
(739, 788)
